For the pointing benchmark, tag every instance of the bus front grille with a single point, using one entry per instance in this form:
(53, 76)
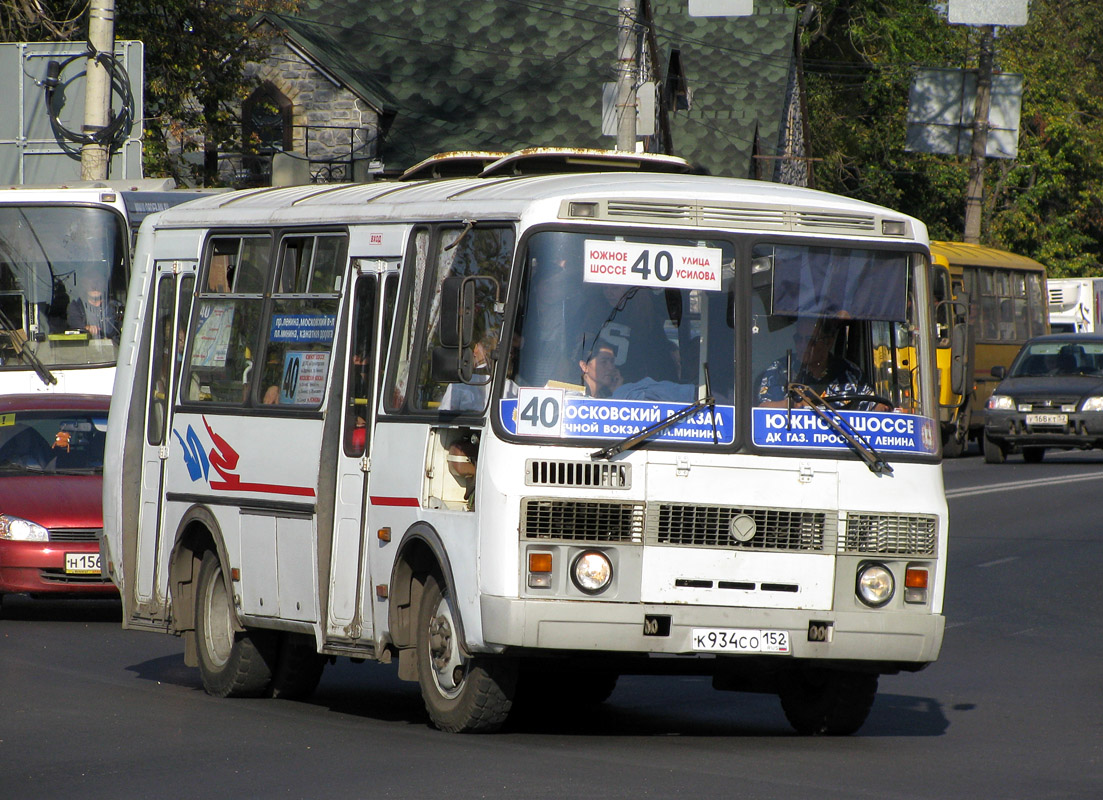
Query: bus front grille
(550, 472)
(890, 534)
(740, 528)
(581, 521)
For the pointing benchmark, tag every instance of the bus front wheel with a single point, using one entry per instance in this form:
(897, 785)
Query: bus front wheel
(462, 693)
(232, 664)
(827, 702)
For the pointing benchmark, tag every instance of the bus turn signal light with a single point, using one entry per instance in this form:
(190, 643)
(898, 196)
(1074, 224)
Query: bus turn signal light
(915, 585)
(540, 570)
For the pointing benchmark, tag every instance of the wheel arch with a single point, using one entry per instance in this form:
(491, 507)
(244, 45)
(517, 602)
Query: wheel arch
(197, 533)
(420, 553)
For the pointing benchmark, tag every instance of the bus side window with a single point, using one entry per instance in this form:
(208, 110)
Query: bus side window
(299, 334)
(223, 338)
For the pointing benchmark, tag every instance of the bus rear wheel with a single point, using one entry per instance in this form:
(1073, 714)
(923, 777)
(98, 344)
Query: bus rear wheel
(462, 693)
(827, 702)
(231, 664)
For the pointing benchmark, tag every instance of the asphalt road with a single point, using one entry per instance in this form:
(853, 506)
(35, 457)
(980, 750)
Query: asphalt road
(1013, 709)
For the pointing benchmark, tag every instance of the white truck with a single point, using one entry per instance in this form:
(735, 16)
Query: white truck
(1075, 304)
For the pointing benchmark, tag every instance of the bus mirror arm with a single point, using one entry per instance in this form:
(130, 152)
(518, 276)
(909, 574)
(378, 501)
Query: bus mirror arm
(877, 465)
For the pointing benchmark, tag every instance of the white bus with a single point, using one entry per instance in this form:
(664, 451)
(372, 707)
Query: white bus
(522, 435)
(64, 270)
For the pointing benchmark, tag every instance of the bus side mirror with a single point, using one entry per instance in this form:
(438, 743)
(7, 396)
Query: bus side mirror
(457, 311)
(959, 373)
(454, 360)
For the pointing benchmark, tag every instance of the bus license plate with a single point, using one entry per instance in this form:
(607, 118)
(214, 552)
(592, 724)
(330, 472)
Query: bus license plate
(82, 563)
(734, 640)
(1047, 419)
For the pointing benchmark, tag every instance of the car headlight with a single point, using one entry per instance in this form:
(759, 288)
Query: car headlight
(22, 530)
(592, 572)
(1001, 402)
(875, 585)
(1093, 403)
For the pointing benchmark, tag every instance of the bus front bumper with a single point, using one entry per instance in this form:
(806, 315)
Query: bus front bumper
(881, 636)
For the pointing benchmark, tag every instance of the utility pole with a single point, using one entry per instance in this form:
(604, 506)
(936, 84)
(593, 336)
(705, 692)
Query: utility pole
(626, 75)
(974, 191)
(97, 90)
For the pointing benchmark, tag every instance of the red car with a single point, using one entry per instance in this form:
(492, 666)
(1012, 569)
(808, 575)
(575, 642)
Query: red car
(51, 502)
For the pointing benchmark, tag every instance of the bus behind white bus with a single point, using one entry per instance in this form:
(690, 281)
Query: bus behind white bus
(523, 435)
(64, 270)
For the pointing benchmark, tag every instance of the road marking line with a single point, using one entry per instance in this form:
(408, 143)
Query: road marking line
(998, 561)
(1009, 487)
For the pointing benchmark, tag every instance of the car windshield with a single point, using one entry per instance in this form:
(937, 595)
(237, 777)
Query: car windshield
(1058, 357)
(55, 441)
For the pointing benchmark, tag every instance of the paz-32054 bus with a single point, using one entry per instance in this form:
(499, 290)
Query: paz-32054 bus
(522, 435)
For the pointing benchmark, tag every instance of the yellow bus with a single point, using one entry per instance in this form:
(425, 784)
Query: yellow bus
(995, 301)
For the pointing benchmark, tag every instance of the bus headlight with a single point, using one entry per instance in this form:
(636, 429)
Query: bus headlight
(875, 585)
(1001, 402)
(1094, 403)
(592, 572)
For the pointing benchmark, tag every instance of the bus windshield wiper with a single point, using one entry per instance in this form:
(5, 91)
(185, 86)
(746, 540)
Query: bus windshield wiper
(642, 436)
(24, 352)
(835, 421)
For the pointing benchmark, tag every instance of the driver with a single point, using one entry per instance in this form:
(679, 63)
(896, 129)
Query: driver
(819, 367)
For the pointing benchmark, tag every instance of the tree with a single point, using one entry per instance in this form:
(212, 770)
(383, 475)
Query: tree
(41, 20)
(1047, 203)
(196, 52)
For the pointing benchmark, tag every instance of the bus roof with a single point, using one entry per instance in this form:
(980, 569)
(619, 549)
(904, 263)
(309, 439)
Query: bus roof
(962, 254)
(641, 198)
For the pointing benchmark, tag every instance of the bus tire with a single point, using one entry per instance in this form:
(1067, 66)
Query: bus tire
(819, 702)
(299, 668)
(993, 453)
(231, 664)
(462, 694)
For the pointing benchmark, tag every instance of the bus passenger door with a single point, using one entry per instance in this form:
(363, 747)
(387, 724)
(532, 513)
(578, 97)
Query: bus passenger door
(349, 615)
(173, 290)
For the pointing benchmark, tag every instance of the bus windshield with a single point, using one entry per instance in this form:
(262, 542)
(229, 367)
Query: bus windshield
(62, 285)
(629, 329)
(615, 333)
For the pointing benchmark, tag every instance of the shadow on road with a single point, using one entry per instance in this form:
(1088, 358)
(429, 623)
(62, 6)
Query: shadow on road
(16, 607)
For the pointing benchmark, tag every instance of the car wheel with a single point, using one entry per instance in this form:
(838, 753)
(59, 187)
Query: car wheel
(232, 664)
(993, 452)
(827, 702)
(462, 693)
(1033, 455)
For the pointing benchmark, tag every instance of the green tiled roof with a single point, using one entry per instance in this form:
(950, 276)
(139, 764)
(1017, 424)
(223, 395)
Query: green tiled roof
(509, 74)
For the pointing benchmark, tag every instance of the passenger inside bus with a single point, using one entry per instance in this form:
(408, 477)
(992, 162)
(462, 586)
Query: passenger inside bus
(814, 362)
(599, 369)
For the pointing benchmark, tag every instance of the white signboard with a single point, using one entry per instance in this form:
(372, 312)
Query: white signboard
(721, 8)
(987, 12)
(659, 266)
